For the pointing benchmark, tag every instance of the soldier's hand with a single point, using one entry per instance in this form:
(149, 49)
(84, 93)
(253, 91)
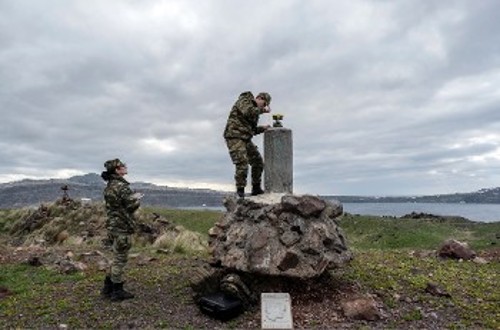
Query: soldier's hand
(266, 127)
(138, 195)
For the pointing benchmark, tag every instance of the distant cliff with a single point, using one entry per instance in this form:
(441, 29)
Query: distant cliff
(33, 192)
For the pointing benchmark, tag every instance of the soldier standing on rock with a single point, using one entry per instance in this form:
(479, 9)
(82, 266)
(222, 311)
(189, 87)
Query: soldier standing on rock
(240, 128)
(121, 203)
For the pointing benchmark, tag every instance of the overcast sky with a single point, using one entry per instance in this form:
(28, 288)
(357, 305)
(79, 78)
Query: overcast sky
(382, 97)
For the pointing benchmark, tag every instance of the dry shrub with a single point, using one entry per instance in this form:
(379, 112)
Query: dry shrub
(54, 228)
(181, 240)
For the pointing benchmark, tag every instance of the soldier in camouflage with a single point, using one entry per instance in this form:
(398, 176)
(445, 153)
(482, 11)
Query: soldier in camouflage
(242, 125)
(121, 203)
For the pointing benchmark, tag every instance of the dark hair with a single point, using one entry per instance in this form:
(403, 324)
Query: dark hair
(106, 176)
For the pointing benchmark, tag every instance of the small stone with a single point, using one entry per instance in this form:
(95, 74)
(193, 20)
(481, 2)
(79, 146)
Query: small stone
(480, 261)
(362, 309)
(102, 265)
(34, 261)
(456, 250)
(436, 290)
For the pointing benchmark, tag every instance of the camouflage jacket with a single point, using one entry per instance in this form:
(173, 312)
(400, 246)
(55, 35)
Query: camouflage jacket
(120, 206)
(243, 119)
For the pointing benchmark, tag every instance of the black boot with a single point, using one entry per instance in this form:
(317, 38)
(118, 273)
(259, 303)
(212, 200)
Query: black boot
(240, 192)
(257, 190)
(119, 294)
(107, 288)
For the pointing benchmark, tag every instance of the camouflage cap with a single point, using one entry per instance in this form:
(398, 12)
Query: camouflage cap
(265, 96)
(113, 164)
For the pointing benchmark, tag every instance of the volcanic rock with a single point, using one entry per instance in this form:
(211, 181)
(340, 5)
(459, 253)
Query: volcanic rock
(454, 249)
(296, 236)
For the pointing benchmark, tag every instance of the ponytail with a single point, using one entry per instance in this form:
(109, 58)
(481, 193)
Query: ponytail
(106, 176)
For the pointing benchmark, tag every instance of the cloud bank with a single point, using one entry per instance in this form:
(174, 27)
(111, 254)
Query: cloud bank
(384, 98)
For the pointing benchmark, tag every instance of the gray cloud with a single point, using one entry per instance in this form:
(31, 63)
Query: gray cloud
(382, 97)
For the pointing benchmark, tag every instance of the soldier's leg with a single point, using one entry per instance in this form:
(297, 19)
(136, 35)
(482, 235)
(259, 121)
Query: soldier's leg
(255, 160)
(238, 153)
(121, 247)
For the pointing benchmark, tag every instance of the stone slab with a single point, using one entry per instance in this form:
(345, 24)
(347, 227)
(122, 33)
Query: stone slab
(276, 310)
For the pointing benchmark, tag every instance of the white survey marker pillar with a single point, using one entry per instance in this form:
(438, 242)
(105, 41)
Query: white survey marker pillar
(278, 160)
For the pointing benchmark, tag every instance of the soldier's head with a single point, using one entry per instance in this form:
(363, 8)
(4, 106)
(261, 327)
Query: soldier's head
(263, 99)
(114, 166)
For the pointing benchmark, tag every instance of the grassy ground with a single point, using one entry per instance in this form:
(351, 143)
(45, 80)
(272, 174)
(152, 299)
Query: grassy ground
(391, 263)
(387, 233)
(196, 220)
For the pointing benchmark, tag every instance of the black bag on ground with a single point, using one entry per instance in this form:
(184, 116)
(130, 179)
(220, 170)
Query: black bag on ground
(220, 306)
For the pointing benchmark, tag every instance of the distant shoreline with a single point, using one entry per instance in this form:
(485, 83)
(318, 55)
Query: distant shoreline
(478, 212)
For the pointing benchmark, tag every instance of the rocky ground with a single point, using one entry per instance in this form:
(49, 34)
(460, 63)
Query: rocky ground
(163, 299)
(57, 285)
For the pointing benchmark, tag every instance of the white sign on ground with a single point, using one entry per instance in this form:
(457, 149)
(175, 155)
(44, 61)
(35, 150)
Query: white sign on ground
(276, 311)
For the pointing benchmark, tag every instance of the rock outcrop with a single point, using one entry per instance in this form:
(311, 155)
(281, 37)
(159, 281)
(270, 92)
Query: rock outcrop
(295, 236)
(454, 249)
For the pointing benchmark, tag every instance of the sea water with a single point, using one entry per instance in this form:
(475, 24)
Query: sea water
(474, 212)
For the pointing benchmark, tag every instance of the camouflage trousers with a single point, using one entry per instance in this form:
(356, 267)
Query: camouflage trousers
(121, 246)
(244, 153)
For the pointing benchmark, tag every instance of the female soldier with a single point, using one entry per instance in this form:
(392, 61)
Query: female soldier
(121, 203)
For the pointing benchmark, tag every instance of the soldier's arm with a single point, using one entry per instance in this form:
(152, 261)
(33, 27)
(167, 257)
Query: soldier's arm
(130, 201)
(247, 107)
(261, 129)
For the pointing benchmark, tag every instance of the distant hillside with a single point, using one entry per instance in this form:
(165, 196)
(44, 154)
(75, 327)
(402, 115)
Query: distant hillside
(483, 196)
(33, 192)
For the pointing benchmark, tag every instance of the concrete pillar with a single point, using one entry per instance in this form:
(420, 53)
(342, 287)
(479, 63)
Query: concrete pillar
(278, 160)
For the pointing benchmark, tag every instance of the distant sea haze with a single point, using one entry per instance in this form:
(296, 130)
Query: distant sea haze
(474, 212)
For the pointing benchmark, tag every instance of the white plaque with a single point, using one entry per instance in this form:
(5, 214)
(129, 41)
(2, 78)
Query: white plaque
(276, 311)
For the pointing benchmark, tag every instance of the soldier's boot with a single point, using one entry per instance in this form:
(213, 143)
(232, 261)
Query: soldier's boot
(119, 294)
(240, 192)
(257, 190)
(107, 289)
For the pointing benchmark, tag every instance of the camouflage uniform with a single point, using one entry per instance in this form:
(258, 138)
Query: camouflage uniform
(121, 224)
(240, 128)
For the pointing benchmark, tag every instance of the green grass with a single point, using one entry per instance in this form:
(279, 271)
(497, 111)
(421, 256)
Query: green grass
(369, 232)
(29, 284)
(195, 220)
(21, 278)
(471, 286)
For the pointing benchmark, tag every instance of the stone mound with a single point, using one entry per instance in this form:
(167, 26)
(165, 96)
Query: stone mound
(297, 236)
(75, 223)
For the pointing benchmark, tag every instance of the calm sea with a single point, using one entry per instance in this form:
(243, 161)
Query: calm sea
(474, 212)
